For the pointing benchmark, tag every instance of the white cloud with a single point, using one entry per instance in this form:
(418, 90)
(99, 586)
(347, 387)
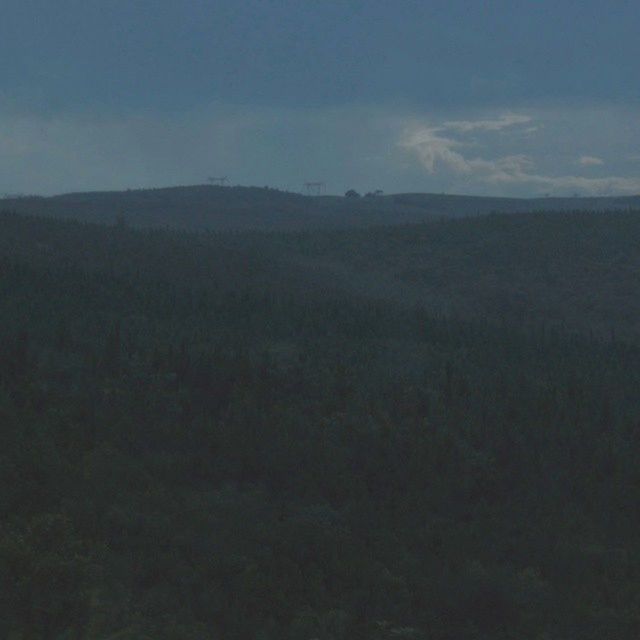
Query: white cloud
(496, 124)
(590, 161)
(443, 148)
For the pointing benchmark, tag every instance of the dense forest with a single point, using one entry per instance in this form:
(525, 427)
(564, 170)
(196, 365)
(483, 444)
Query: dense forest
(331, 435)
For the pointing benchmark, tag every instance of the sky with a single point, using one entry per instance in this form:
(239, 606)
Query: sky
(491, 98)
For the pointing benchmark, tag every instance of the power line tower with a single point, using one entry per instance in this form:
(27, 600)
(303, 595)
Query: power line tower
(220, 182)
(315, 188)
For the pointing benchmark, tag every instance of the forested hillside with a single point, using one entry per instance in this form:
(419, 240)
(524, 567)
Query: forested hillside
(214, 208)
(330, 435)
(575, 269)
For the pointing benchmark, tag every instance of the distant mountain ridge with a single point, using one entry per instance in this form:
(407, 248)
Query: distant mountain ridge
(207, 207)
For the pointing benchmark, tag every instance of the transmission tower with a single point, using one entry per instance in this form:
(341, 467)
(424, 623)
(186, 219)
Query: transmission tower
(315, 188)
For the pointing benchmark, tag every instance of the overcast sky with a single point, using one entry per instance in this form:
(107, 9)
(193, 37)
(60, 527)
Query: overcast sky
(506, 98)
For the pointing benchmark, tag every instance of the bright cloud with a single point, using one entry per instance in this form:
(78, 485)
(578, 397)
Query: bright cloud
(447, 148)
(497, 124)
(590, 161)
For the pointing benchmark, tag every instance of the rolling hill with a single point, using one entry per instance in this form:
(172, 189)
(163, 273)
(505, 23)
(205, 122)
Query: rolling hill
(250, 208)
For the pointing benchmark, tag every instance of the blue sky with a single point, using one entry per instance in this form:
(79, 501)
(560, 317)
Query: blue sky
(509, 98)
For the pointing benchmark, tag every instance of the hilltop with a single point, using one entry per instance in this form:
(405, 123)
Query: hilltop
(216, 208)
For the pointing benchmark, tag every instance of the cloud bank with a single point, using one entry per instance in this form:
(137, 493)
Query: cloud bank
(447, 148)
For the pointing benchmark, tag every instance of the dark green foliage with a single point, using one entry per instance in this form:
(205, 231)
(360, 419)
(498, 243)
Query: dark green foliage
(199, 441)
